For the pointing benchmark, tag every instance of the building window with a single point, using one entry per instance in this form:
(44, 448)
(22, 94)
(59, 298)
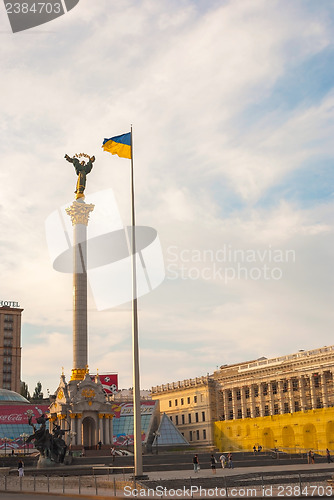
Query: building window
(203, 416)
(256, 391)
(285, 386)
(9, 317)
(188, 401)
(169, 404)
(316, 380)
(197, 435)
(195, 399)
(196, 417)
(171, 417)
(229, 395)
(175, 402)
(296, 405)
(247, 393)
(182, 418)
(182, 433)
(189, 418)
(265, 389)
(248, 412)
(319, 403)
(204, 433)
(257, 411)
(239, 413)
(238, 393)
(176, 420)
(8, 327)
(295, 384)
(276, 410)
(182, 402)
(190, 435)
(231, 415)
(274, 387)
(266, 410)
(286, 408)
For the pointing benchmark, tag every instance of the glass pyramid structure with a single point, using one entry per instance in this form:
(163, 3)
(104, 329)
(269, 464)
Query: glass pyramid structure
(168, 434)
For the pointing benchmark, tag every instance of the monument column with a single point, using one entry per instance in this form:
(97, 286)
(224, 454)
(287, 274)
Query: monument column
(79, 212)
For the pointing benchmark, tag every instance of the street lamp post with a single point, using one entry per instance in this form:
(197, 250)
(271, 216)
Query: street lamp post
(24, 436)
(6, 441)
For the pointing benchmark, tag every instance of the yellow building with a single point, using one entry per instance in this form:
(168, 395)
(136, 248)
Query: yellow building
(191, 406)
(293, 432)
(284, 402)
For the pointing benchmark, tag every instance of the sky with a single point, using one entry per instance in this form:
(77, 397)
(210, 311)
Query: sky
(231, 103)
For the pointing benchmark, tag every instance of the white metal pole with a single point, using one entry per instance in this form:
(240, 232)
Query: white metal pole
(135, 347)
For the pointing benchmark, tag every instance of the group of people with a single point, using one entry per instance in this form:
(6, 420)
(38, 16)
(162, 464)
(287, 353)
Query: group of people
(258, 450)
(225, 461)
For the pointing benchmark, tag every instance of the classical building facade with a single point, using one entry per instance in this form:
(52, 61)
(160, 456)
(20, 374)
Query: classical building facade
(287, 384)
(10, 346)
(191, 406)
(284, 402)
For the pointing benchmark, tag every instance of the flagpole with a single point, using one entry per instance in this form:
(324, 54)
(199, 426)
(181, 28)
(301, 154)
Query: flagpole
(135, 346)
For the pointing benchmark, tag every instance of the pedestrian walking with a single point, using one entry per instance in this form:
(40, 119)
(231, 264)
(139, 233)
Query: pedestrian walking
(196, 463)
(20, 467)
(222, 459)
(328, 455)
(229, 461)
(113, 454)
(213, 462)
(254, 449)
(312, 457)
(309, 457)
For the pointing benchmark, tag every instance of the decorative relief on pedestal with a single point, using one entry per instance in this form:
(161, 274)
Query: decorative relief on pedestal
(79, 212)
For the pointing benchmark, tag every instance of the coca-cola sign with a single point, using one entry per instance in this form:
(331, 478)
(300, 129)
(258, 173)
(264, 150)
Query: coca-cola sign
(19, 414)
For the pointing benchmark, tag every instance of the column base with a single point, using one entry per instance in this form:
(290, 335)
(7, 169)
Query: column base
(79, 373)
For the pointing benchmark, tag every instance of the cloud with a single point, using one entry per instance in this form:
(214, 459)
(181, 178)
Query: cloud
(216, 148)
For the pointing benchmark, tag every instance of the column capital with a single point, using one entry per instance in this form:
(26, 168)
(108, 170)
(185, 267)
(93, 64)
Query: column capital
(79, 212)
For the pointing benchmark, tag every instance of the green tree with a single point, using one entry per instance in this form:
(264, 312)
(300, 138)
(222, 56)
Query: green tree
(24, 390)
(38, 391)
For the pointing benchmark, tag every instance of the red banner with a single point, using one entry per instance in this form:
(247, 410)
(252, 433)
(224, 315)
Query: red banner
(109, 382)
(19, 414)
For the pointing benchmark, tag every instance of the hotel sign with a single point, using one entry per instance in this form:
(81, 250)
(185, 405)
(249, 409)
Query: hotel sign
(9, 303)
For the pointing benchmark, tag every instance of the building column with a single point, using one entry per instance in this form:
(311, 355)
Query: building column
(324, 391)
(234, 403)
(225, 402)
(101, 433)
(252, 400)
(261, 399)
(280, 397)
(271, 398)
(79, 429)
(312, 391)
(301, 383)
(290, 396)
(107, 429)
(111, 429)
(243, 402)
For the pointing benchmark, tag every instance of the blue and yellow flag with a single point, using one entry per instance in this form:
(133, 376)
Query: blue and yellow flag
(119, 145)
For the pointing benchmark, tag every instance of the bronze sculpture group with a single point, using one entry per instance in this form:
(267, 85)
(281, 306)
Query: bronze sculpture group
(51, 446)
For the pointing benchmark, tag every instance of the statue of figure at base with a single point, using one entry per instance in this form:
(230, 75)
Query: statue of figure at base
(82, 169)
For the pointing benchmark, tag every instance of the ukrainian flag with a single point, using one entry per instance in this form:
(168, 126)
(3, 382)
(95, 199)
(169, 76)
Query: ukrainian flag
(119, 145)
